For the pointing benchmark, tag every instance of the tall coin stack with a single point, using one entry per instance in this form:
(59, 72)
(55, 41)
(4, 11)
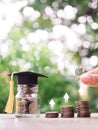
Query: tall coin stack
(83, 109)
(67, 111)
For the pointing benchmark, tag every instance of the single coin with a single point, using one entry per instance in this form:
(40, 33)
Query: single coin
(79, 71)
(64, 108)
(68, 114)
(83, 115)
(83, 109)
(82, 104)
(33, 107)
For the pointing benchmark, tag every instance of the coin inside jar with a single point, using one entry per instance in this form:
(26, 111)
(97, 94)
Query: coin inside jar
(33, 107)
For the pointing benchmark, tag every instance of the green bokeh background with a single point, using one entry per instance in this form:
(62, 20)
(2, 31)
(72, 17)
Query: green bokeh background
(43, 60)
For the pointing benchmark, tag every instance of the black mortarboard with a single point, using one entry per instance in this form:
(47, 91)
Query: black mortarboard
(27, 77)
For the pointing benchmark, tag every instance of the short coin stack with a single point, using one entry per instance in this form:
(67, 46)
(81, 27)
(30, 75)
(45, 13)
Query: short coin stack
(83, 109)
(51, 114)
(67, 111)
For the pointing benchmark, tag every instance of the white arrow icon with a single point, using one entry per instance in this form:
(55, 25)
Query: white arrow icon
(66, 97)
(52, 103)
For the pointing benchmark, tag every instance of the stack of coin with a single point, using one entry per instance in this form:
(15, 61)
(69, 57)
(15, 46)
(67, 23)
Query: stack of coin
(67, 111)
(83, 109)
(22, 107)
(51, 114)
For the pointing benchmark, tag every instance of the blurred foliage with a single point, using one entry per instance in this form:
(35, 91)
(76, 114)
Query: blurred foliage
(41, 59)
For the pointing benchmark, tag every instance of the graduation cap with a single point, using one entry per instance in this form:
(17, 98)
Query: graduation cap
(24, 77)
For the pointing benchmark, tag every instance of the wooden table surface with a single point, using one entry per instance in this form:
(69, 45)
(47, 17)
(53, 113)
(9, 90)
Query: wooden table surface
(10, 122)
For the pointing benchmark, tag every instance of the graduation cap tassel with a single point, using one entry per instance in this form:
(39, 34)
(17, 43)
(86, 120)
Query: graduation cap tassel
(10, 102)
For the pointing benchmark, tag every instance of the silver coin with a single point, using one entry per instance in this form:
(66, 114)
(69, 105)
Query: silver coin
(79, 71)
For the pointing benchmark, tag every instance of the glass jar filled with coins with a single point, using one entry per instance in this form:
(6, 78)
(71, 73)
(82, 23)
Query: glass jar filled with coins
(27, 97)
(27, 101)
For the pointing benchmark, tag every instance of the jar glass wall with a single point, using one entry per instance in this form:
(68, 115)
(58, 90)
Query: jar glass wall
(27, 101)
